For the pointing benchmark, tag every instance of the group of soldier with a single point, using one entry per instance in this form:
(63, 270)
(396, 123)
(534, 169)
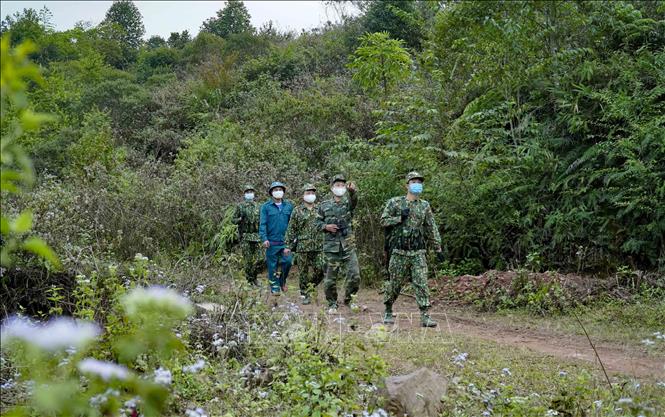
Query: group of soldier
(321, 234)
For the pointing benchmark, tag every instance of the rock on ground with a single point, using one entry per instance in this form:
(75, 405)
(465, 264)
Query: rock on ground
(417, 394)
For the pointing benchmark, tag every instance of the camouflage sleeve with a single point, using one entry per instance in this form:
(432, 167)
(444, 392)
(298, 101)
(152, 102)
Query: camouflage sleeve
(320, 218)
(390, 215)
(353, 200)
(431, 230)
(237, 215)
(293, 230)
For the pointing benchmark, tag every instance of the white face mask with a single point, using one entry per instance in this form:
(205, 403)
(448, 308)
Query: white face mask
(339, 191)
(249, 196)
(309, 198)
(278, 194)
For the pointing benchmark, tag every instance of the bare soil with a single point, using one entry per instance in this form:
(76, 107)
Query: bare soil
(568, 347)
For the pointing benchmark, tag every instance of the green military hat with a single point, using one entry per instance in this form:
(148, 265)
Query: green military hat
(414, 175)
(338, 177)
(248, 187)
(309, 187)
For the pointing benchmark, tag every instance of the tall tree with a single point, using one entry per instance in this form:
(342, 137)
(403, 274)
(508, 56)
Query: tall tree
(380, 62)
(126, 15)
(29, 24)
(233, 18)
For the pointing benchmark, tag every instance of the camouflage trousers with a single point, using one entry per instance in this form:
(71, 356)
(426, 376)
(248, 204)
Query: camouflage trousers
(310, 271)
(408, 266)
(253, 259)
(343, 263)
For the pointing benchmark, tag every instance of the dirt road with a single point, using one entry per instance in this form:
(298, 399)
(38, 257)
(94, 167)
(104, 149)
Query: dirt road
(617, 359)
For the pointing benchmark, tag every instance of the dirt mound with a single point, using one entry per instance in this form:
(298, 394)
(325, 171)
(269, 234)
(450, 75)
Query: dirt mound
(493, 283)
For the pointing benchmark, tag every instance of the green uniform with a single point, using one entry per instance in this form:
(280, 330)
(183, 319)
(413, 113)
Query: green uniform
(409, 238)
(246, 216)
(339, 249)
(305, 238)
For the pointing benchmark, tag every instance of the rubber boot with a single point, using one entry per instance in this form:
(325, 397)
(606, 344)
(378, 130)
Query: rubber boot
(426, 320)
(388, 317)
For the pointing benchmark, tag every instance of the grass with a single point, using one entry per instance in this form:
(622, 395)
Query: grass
(517, 382)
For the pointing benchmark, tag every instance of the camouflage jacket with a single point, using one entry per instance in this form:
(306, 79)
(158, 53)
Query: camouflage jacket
(303, 235)
(246, 217)
(418, 231)
(340, 213)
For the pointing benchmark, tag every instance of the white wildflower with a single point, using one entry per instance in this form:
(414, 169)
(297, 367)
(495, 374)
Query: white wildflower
(551, 413)
(486, 413)
(379, 412)
(461, 358)
(56, 334)
(506, 372)
(648, 342)
(9, 384)
(200, 288)
(140, 257)
(198, 412)
(103, 369)
(263, 394)
(625, 401)
(563, 373)
(597, 403)
(163, 376)
(194, 368)
(158, 298)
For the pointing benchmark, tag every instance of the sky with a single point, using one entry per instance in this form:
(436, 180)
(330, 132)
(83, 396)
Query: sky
(163, 17)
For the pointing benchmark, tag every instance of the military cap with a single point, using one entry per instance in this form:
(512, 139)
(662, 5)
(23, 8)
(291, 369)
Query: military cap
(248, 187)
(414, 175)
(276, 184)
(309, 187)
(338, 177)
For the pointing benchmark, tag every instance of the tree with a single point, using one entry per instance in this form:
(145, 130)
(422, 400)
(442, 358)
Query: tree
(27, 25)
(233, 18)
(155, 42)
(380, 62)
(125, 14)
(401, 19)
(179, 40)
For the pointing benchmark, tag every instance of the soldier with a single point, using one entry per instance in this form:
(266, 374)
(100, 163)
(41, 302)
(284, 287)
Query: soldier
(412, 228)
(275, 215)
(334, 217)
(304, 238)
(246, 216)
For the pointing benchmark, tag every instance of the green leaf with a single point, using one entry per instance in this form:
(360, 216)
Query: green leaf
(40, 248)
(23, 222)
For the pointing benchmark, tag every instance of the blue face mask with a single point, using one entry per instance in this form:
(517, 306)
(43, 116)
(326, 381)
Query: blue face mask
(416, 188)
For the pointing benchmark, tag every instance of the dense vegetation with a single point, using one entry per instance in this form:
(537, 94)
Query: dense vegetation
(540, 127)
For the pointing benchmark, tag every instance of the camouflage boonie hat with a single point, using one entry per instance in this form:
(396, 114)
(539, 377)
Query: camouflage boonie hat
(338, 177)
(414, 175)
(276, 184)
(248, 187)
(309, 187)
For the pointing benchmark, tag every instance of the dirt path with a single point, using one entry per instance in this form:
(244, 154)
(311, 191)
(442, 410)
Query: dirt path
(617, 359)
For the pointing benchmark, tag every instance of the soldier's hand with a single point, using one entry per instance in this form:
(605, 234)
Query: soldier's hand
(351, 186)
(405, 213)
(332, 228)
(287, 252)
(266, 244)
(439, 257)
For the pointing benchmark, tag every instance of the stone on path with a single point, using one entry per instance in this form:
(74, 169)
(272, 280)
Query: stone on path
(416, 394)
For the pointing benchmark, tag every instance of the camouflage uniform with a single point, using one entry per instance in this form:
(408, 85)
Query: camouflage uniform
(305, 238)
(408, 240)
(246, 216)
(339, 249)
